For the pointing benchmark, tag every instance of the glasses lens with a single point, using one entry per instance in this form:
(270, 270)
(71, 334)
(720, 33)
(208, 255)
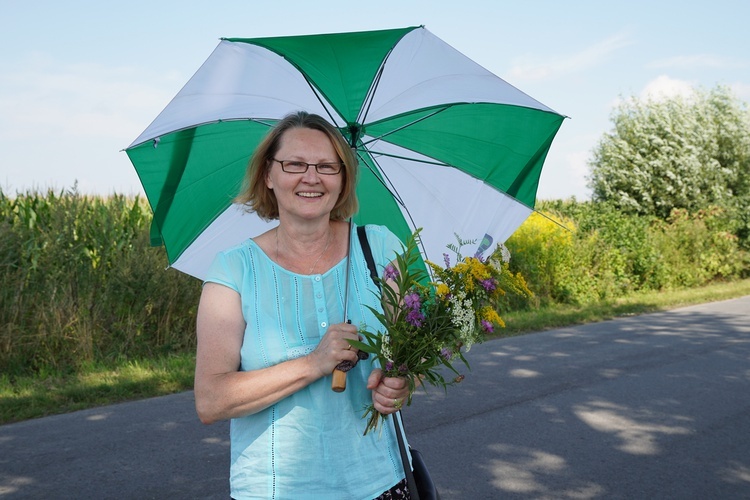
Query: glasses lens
(328, 168)
(294, 167)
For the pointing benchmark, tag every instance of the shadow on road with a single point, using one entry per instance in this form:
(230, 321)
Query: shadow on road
(652, 406)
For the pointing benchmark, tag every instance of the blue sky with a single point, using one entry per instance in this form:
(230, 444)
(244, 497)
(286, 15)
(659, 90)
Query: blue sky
(82, 79)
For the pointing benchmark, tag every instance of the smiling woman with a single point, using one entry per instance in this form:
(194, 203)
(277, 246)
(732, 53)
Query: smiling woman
(272, 326)
(260, 198)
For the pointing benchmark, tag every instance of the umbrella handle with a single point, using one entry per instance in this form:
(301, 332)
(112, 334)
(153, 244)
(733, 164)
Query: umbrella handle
(338, 384)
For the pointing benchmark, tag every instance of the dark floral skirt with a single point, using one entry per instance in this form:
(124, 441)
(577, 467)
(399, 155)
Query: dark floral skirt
(399, 492)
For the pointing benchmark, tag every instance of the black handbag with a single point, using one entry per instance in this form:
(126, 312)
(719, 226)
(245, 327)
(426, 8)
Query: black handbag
(419, 481)
(421, 486)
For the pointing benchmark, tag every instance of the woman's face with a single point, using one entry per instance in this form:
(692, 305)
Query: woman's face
(309, 195)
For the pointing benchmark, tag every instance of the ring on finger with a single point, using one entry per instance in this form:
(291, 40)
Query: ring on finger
(349, 347)
(397, 403)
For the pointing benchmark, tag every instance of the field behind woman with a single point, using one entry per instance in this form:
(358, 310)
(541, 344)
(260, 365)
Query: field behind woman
(90, 314)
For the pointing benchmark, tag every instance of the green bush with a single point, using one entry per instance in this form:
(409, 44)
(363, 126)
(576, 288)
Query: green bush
(542, 252)
(609, 254)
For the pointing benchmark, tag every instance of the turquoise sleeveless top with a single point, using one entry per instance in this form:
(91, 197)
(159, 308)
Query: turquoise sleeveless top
(310, 444)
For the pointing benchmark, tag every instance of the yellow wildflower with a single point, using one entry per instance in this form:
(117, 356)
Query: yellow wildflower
(489, 314)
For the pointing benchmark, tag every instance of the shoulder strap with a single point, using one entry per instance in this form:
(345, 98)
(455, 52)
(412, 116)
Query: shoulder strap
(410, 481)
(365, 244)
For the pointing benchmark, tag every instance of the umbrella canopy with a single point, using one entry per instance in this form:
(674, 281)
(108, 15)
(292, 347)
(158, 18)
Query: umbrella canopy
(443, 143)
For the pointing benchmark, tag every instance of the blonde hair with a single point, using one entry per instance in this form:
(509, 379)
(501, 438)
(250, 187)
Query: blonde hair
(256, 196)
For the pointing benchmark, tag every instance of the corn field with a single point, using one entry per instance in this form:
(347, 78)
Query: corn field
(80, 283)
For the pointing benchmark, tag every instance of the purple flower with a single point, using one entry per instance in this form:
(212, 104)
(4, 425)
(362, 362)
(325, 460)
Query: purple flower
(447, 260)
(446, 353)
(411, 300)
(403, 369)
(388, 366)
(489, 284)
(487, 326)
(415, 318)
(390, 272)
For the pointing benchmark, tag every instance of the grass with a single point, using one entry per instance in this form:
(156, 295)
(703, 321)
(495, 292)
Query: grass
(94, 385)
(561, 315)
(100, 384)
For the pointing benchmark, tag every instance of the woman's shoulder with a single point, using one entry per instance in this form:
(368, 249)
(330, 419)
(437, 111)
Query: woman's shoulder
(378, 230)
(240, 249)
(231, 264)
(383, 242)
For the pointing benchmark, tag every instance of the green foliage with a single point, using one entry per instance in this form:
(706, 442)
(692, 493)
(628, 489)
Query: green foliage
(542, 252)
(81, 284)
(680, 153)
(606, 254)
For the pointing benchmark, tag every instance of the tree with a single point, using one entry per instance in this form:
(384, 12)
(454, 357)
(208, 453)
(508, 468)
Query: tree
(682, 152)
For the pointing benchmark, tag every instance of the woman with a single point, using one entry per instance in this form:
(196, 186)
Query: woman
(271, 330)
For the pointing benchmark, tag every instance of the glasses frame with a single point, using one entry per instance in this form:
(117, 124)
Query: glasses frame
(316, 165)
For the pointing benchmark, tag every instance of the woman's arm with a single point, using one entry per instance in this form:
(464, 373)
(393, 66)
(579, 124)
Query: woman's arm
(221, 390)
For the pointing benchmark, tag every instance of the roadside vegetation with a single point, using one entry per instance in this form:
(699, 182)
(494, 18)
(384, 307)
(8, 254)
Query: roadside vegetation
(90, 314)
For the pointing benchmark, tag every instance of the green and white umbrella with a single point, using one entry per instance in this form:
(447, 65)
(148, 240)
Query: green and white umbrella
(443, 143)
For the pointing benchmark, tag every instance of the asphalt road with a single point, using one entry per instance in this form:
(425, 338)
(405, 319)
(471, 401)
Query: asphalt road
(647, 407)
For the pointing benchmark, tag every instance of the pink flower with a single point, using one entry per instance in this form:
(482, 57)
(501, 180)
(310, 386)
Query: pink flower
(489, 284)
(390, 272)
(487, 326)
(411, 300)
(415, 318)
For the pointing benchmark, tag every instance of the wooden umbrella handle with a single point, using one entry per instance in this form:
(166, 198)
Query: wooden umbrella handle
(338, 384)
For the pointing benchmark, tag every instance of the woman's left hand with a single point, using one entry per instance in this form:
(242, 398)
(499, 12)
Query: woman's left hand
(388, 393)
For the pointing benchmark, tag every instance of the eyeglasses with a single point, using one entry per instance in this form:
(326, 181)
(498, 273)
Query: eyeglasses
(300, 167)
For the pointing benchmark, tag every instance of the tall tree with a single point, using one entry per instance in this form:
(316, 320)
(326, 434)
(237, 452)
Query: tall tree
(681, 152)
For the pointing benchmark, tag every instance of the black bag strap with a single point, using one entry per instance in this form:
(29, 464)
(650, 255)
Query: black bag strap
(365, 244)
(411, 483)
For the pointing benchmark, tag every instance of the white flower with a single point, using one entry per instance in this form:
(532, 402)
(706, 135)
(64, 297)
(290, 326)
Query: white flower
(386, 348)
(462, 317)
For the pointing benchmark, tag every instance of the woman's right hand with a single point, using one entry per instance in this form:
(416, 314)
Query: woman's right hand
(334, 348)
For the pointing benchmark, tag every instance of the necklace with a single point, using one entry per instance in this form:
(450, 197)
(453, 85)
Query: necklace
(328, 242)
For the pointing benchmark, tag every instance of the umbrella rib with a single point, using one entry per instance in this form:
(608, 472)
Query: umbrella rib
(371, 91)
(417, 160)
(319, 97)
(394, 193)
(407, 125)
(388, 186)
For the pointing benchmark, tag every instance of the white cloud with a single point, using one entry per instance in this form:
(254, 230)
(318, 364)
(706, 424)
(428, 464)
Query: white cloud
(564, 175)
(664, 87)
(698, 61)
(741, 90)
(531, 69)
(61, 123)
(78, 101)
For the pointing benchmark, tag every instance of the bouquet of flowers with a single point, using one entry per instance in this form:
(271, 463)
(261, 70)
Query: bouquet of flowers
(428, 321)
